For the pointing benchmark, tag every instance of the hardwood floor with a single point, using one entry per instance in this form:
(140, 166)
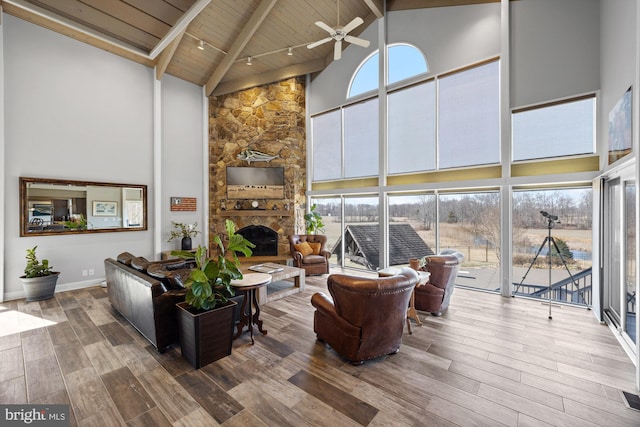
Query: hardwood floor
(488, 361)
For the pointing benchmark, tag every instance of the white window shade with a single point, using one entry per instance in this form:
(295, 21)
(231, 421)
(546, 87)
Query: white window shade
(361, 139)
(469, 117)
(553, 131)
(327, 146)
(412, 129)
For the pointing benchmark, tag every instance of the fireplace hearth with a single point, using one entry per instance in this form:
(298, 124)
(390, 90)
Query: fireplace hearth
(265, 239)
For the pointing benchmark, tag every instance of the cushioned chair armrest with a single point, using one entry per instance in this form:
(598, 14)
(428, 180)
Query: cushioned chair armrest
(176, 293)
(297, 256)
(326, 254)
(322, 302)
(432, 289)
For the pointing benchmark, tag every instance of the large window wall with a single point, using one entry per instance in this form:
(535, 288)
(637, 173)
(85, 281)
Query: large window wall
(441, 185)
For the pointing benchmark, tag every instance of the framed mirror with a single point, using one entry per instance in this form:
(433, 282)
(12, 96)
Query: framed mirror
(54, 206)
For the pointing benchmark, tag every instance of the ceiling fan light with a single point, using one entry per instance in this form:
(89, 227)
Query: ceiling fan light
(201, 45)
(249, 61)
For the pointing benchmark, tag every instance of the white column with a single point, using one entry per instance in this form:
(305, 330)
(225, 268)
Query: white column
(157, 166)
(506, 284)
(636, 146)
(2, 198)
(383, 210)
(205, 167)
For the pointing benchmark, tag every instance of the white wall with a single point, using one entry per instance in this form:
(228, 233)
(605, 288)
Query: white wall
(450, 37)
(555, 49)
(619, 51)
(620, 69)
(77, 112)
(182, 174)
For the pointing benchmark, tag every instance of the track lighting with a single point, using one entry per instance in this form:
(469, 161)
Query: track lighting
(290, 52)
(201, 45)
(249, 61)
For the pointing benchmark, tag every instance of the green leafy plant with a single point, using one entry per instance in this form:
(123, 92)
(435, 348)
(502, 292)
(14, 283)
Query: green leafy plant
(313, 221)
(209, 284)
(183, 230)
(34, 267)
(80, 223)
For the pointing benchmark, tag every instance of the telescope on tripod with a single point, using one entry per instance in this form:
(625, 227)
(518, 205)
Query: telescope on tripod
(552, 220)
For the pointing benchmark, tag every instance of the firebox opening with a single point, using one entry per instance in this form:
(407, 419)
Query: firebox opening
(265, 239)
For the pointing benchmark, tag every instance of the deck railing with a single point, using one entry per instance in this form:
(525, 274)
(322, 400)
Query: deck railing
(574, 290)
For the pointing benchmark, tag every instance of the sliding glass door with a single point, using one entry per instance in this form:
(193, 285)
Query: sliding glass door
(620, 260)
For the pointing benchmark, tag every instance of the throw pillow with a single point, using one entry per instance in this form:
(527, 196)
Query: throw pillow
(315, 247)
(303, 248)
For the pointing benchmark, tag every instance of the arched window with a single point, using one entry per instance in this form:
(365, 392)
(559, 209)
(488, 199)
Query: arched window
(405, 61)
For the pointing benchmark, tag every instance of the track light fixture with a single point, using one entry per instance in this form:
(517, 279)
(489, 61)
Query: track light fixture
(249, 61)
(290, 52)
(200, 45)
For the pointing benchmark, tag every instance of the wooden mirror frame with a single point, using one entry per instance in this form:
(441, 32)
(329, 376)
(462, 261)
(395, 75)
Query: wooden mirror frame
(98, 208)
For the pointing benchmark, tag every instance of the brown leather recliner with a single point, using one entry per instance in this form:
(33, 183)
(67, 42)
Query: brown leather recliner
(313, 263)
(435, 295)
(366, 318)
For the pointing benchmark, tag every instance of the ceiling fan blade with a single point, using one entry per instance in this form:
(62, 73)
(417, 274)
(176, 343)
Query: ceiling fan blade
(325, 27)
(318, 43)
(357, 40)
(353, 24)
(337, 50)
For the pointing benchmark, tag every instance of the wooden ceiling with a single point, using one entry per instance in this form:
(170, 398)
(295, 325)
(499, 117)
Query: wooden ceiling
(166, 34)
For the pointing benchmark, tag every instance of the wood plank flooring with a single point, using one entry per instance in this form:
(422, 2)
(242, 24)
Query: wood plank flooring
(489, 361)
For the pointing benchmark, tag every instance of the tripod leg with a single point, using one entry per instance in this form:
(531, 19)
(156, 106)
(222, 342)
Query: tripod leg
(544, 242)
(549, 259)
(567, 268)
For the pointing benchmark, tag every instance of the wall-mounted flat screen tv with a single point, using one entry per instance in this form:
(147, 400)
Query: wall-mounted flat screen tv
(252, 182)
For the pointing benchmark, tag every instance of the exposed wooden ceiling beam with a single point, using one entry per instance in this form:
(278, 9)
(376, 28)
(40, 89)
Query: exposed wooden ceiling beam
(167, 55)
(36, 15)
(241, 41)
(422, 4)
(270, 77)
(179, 28)
(376, 6)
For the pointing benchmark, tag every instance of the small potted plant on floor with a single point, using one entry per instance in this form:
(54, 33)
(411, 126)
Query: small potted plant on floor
(207, 316)
(39, 281)
(185, 232)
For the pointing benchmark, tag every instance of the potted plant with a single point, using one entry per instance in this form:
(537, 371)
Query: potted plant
(78, 223)
(207, 316)
(185, 232)
(418, 263)
(39, 281)
(313, 221)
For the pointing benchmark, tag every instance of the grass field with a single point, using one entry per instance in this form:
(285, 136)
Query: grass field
(480, 268)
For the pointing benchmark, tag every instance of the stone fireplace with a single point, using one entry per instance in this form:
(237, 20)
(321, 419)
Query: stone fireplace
(269, 119)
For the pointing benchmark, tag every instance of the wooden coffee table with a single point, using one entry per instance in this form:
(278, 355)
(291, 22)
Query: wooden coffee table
(279, 272)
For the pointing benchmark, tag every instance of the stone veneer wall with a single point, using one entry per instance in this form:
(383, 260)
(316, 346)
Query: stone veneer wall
(270, 119)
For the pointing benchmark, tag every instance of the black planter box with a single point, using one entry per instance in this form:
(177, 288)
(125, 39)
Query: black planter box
(206, 336)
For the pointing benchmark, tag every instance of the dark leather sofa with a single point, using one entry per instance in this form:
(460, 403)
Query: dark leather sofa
(366, 316)
(147, 302)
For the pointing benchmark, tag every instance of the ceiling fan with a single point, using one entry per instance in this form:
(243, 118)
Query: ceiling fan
(338, 34)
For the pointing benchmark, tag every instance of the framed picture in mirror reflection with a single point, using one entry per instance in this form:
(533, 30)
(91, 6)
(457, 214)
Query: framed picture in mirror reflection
(105, 208)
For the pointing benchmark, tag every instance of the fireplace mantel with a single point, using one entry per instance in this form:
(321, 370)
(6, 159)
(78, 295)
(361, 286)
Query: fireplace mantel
(246, 212)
